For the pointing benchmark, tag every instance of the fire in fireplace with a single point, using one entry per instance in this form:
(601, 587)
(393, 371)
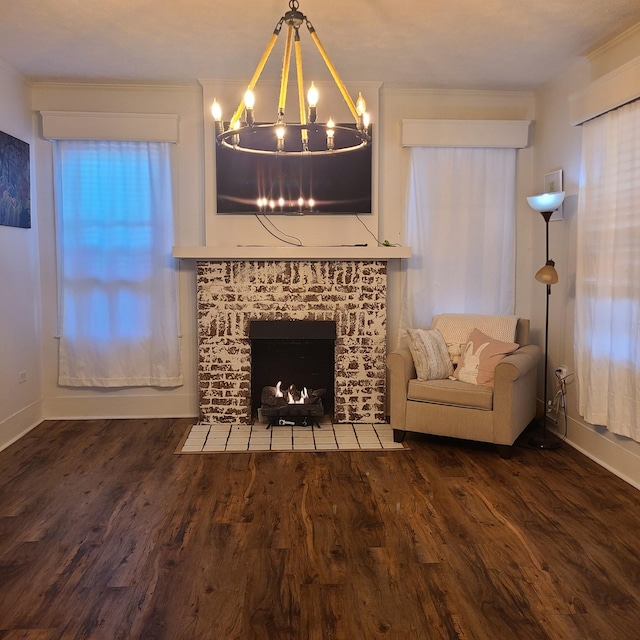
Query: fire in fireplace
(302, 354)
(292, 406)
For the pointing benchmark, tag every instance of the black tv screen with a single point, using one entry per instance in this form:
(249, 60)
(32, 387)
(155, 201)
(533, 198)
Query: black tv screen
(282, 184)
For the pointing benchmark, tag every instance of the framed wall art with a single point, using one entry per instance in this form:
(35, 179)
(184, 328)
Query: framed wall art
(15, 190)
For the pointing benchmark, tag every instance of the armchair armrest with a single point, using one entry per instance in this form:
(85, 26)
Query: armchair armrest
(401, 370)
(517, 364)
(514, 393)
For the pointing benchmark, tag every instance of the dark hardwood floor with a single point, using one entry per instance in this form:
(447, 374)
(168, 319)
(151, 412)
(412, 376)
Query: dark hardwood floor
(105, 533)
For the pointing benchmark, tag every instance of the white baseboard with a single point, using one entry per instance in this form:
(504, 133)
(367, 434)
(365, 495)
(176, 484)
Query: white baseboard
(98, 406)
(19, 424)
(618, 455)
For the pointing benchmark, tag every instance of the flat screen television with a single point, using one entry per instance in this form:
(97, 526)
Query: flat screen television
(332, 184)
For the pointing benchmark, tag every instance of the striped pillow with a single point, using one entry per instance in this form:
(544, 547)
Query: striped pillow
(430, 355)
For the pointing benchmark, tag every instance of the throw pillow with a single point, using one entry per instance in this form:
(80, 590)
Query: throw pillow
(457, 327)
(480, 358)
(430, 355)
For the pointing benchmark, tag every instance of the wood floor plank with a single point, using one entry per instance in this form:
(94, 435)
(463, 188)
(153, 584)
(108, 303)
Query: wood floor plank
(106, 533)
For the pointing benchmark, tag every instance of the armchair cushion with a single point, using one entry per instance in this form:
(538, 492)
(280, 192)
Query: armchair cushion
(480, 358)
(451, 392)
(430, 354)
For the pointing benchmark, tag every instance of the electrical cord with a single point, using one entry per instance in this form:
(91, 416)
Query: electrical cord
(559, 403)
(552, 411)
(384, 243)
(298, 242)
(282, 236)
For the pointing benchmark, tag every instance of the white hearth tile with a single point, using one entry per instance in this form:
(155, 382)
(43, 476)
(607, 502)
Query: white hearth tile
(215, 446)
(392, 445)
(371, 445)
(198, 428)
(326, 446)
(281, 446)
(191, 447)
(348, 444)
(237, 444)
(220, 428)
(364, 429)
(365, 436)
(324, 437)
(241, 429)
(347, 426)
(259, 446)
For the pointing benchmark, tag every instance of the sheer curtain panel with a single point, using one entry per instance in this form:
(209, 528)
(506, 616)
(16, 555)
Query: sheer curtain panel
(607, 324)
(460, 223)
(117, 278)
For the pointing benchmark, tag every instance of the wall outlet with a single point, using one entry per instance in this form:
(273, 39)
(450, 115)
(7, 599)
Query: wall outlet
(22, 377)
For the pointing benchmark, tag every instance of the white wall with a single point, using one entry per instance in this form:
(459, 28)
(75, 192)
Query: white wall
(558, 146)
(20, 403)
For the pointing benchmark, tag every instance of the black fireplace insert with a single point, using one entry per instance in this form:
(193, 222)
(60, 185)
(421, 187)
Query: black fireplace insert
(300, 355)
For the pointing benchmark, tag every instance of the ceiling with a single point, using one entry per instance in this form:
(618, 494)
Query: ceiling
(465, 44)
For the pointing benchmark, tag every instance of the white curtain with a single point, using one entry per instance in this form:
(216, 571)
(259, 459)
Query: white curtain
(607, 325)
(117, 279)
(460, 225)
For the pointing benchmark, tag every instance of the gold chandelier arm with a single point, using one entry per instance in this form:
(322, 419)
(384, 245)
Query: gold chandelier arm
(257, 72)
(284, 80)
(333, 72)
(303, 111)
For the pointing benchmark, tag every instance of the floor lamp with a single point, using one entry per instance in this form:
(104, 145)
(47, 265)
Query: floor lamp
(546, 204)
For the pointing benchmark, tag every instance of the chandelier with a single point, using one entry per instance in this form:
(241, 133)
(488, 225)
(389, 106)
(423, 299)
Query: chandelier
(308, 136)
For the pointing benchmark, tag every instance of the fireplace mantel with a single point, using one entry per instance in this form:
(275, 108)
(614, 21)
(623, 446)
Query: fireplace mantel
(292, 253)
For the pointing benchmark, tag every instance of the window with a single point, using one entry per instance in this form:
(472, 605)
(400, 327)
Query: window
(118, 316)
(460, 224)
(608, 273)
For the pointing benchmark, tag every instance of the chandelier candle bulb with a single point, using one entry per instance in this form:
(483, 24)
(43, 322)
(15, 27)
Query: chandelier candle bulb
(249, 102)
(216, 113)
(312, 99)
(330, 133)
(280, 137)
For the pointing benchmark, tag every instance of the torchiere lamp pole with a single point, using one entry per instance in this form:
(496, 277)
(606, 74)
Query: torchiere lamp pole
(546, 204)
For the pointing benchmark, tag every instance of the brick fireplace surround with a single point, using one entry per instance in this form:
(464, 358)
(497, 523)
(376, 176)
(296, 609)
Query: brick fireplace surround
(231, 293)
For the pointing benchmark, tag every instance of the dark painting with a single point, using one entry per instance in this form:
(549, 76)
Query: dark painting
(15, 200)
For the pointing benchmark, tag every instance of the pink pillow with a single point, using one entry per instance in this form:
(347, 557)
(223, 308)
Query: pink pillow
(480, 358)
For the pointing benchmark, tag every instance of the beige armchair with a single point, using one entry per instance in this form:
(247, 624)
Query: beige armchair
(458, 409)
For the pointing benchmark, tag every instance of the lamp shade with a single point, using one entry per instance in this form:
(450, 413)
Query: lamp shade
(548, 273)
(546, 201)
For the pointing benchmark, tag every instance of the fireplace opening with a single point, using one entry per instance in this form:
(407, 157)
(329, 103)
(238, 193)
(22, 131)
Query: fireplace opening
(300, 355)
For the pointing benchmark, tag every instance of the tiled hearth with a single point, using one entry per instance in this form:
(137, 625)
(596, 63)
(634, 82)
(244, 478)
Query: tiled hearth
(209, 438)
(231, 293)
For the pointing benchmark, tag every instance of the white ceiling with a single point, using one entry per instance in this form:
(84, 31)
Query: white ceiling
(489, 44)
